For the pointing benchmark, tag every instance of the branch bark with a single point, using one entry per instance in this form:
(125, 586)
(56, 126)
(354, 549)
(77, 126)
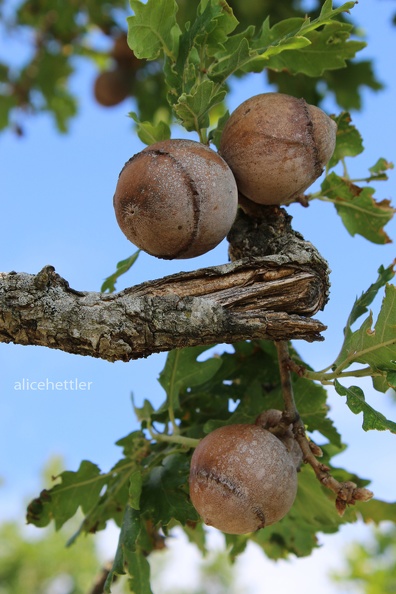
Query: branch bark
(265, 297)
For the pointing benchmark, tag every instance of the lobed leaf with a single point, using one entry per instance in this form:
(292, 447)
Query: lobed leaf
(378, 170)
(182, 370)
(122, 267)
(76, 489)
(193, 109)
(328, 12)
(139, 572)
(372, 419)
(360, 307)
(164, 496)
(150, 133)
(358, 209)
(312, 513)
(346, 83)
(374, 347)
(311, 402)
(153, 30)
(228, 64)
(100, 496)
(327, 49)
(126, 549)
(349, 142)
(209, 31)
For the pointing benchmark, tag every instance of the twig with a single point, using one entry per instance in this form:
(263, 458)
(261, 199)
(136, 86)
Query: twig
(290, 413)
(100, 580)
(347, 493)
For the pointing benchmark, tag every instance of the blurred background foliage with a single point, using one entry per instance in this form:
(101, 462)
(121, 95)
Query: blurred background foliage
(370, 567)
(55, 35)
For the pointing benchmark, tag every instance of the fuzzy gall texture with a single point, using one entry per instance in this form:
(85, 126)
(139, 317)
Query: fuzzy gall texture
(277, 146)
(176, 199)
(242, 478)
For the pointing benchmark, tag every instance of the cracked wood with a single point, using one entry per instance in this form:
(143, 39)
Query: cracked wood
(270, 290)
(237, 301)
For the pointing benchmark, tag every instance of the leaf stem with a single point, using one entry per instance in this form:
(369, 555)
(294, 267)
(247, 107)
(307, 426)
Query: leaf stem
(188, 442)
(322, 376)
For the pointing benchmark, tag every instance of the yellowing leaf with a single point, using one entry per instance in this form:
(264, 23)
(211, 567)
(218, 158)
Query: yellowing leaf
(348, 139)
(360, 212)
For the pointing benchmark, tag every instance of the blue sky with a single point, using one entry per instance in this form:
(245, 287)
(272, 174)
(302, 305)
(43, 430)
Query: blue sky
(56, 208)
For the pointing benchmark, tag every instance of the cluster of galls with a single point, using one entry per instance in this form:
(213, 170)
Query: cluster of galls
(179, 198)
(112, 86)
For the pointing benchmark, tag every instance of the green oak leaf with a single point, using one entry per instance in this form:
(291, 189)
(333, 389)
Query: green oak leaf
(122, 267)
(360, 307)
(359, 211)
(100, 496)
(378, 170)
(374, 347)
(163, 494)
(228, 64)
(139, 572)
(7, 104)
(153, 29)
(127, 545)
(193, 109)
(134, 445)
(224, 24)
(328, 12)
(257, 388)
(312, 50)
(378, 511)
(135, 488)
(196, 534)
(271, 41)
(313, 512)
(150, 133)
(311, 402)
(210, 30)
(76, 489)
(372, 419)
(182, 370)
(346, 82)
(327, 49)
(349, 142)
(145, 412)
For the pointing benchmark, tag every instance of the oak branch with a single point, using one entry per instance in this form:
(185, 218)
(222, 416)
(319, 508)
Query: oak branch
(260, 297)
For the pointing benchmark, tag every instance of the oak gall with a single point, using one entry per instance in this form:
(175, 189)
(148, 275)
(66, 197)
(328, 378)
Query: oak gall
(277, 146)
(242, 478)
(111, 87)
(176, 199)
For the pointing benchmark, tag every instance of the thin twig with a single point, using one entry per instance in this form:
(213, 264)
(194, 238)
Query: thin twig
(100, 580)
(347, 493)
(290, 414)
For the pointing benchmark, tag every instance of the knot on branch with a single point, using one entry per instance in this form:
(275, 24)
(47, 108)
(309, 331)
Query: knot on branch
(261, 231)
